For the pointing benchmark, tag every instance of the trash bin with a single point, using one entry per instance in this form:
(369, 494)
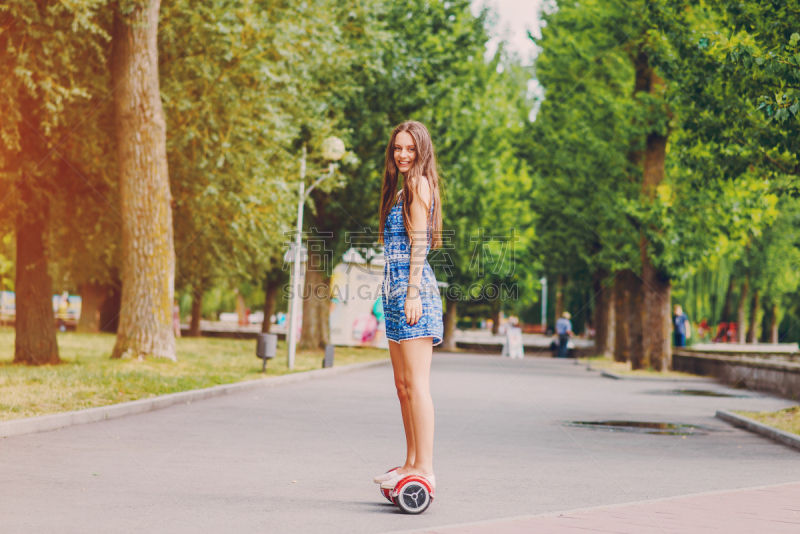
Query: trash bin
(266, 348)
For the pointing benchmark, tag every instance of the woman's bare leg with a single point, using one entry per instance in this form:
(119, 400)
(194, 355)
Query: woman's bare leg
(399, 382)
(417, 356)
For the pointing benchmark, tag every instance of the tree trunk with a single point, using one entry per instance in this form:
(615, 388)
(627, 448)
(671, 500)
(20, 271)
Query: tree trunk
(35, 340)
(197, 313)
(603, 315)
(450, 318)
(148, 254)
(628, 315)
(495, 307)
(241, 309)
(727, 307)
(316, 311)
(656, 286)
(623, 300)
(611, 321)
(92, 298)
(751, 327)
(561, 281)
(773, 326)
(654, 297)
(741, 322)
(636, 318)
(656, 317)
(270, 294)
(110, 310)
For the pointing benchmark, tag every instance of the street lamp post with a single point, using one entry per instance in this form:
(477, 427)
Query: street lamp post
(544, 304)
(333, 150)
(296, 284)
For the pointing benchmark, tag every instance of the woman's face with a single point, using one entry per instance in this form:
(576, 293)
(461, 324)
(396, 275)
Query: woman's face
(405, 151)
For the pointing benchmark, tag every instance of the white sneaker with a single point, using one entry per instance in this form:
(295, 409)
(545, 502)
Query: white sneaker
(380, 479)
(392, 481)
(391, 484)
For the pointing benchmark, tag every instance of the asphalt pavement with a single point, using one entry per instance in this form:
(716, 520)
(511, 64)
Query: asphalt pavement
(300, 457)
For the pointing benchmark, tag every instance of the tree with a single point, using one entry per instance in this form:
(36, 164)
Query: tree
(651, 184)
(244, 85)
(148, 254)
(431, 68)
(585, 147)
(49, 48)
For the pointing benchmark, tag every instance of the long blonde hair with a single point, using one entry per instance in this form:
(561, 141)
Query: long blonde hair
(424, 165)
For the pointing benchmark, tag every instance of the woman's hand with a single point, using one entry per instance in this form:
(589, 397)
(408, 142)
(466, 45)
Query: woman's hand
(413, 307)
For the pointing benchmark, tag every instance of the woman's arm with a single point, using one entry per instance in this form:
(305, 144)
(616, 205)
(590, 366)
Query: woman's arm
(419, 245)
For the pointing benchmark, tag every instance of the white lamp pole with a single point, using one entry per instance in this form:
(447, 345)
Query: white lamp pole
(296, 283)
(544, 303)
(333, 149)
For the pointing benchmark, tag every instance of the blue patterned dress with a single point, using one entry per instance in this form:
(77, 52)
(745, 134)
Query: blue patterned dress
(396, 272)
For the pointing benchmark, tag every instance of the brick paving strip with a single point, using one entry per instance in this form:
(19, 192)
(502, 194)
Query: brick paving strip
(764, 510)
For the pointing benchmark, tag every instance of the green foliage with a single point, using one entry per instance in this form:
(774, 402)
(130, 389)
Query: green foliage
(584, 140)
(431, 68)
(245, 84)
(718, 198)
(736, 66)
(56, 147)
(241, 83)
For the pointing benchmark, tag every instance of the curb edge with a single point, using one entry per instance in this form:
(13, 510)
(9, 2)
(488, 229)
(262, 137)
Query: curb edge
(616, 376)
(754, 426)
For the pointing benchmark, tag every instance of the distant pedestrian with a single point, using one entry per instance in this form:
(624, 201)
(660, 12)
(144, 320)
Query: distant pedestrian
(176, 318)
(564, 331)
(681, 329)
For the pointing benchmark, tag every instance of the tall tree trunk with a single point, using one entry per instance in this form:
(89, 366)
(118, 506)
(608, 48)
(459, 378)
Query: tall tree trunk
(271, 288)
(197, 313)
(561, 281)
(495, 311)
(636, 319)
(628, 318)
(727, 307)
(773, 325)
(611, 320)
(657, 319)
(148, 253)
(35, 340)
(752, 326)
(450, 318)
(603, 315)
(742, 323)
(112, 305)
(316, 311)
(656, 286)
(623, 300)
(92, 298)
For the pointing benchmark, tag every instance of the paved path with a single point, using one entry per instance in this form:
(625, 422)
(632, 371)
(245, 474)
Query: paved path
(773, 509)
(300, 457)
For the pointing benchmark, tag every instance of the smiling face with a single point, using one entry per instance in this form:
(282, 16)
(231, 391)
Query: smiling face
(405, 152)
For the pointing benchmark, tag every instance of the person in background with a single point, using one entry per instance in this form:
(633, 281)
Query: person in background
(564, 331)
(681, 329)
(703, 329)
(176, 318)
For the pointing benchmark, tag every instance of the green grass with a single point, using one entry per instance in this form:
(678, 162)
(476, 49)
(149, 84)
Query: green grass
(787, 420)
(89, 377)
(624, 368)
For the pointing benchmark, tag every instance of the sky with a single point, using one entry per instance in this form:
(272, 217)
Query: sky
(516, 17)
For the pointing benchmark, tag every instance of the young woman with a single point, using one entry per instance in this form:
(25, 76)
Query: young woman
(410, 225)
